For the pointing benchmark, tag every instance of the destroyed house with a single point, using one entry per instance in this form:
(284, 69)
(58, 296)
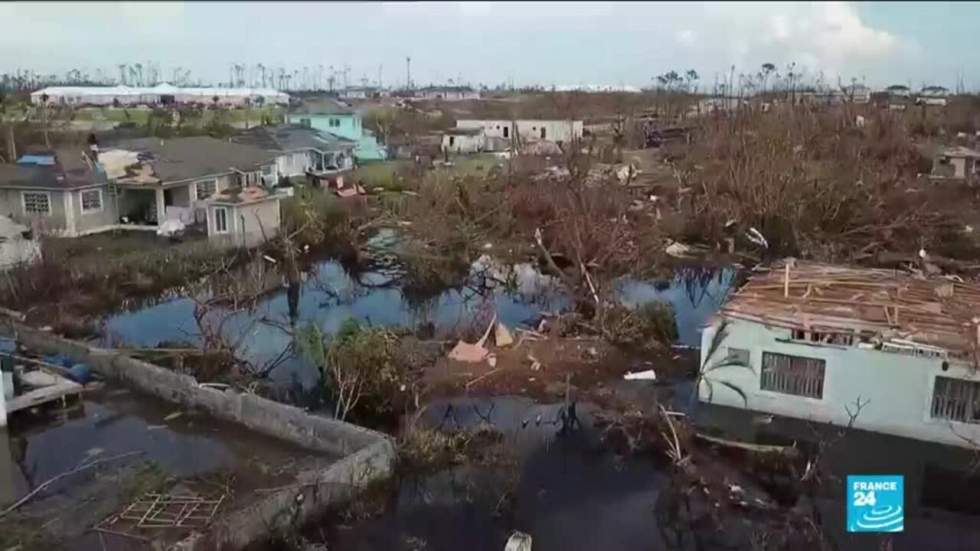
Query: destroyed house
(301, 149)
(885, 350)
(955, 163)
(155, 180)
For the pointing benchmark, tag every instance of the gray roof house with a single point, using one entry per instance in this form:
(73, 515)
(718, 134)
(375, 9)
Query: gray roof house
(160, 179)
(62, 192)
(301, 149)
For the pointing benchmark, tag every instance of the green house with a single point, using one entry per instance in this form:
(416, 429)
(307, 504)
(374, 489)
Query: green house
(332, 116)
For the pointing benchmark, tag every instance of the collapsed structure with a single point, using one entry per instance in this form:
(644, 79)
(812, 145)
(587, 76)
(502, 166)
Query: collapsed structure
(882, 350)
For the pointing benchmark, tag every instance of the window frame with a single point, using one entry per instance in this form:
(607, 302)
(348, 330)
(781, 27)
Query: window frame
(968, 394)
(767, 384)
(81, 201)
(226, 215)
(23, 202)
(197, 188)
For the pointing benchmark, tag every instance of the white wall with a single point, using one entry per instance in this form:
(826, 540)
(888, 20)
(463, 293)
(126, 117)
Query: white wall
(529, 130)
(898, 388)
(462, 143)
(293, 164)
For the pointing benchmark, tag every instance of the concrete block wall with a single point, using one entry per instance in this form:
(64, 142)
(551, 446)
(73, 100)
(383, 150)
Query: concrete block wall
(366, 455)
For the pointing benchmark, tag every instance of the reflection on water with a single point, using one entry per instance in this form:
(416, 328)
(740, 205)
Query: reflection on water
(940, 481)
(329, 295)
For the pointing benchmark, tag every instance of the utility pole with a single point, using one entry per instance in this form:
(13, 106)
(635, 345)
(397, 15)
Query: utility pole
(408, 73)
(380, 82)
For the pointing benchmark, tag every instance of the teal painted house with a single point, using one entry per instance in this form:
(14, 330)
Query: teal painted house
(331, 116)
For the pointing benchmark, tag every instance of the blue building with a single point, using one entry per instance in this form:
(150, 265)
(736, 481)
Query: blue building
(336, 118)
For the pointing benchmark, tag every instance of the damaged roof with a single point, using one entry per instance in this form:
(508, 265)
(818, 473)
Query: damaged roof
(292, 137)
(178, 159)
(888, 304)
(322, 106)
(70, 170)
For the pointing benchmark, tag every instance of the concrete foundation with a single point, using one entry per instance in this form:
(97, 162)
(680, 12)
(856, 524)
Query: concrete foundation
(368, 455)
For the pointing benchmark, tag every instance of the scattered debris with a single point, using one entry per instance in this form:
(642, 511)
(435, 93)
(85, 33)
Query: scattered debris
(165, 511)
(677, 249)
(502, 336)
(518, 541)
(647, 375)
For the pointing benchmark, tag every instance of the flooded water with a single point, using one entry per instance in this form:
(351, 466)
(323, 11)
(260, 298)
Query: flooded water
(329, 296)
(570, 493)
(178, 445)
(941, 482)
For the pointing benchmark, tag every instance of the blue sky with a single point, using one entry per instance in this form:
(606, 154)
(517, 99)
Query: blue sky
(544, 43)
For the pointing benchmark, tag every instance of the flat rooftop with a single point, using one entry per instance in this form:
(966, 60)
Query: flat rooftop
(890, 305)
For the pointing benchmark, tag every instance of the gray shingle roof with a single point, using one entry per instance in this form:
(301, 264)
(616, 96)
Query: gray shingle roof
(70, 171)
(292, 137)
(322, 106)
(186, 158)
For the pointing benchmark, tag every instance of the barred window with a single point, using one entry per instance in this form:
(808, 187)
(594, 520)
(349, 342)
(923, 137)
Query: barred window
(91, 200)
(37, 202)
(956, 399)
(792, 374)
(206, 188)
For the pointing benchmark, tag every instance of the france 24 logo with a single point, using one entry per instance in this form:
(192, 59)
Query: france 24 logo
(875, 503)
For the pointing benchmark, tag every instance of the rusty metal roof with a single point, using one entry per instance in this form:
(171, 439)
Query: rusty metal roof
(889, 304)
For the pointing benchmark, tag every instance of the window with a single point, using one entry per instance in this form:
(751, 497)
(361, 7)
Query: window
(220, 220)
(544, 134)
(452, 141)
(91, 200)
(794, 375)
(205, 189)
(506, 132)
(956, 399)
(334, 122)
(37, 202)
(738, 356)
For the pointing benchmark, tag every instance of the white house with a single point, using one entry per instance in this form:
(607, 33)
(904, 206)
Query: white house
(464, 140)
(932, 95)
(447, 93)
(243, 217)
(885, 350)
(160, 94)
(529, 130)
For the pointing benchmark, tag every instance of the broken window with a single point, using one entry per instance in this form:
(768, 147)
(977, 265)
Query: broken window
(452, 141)
(956, 399)
(220, 220)
(91, 200)
(205, 189)
(37, 202)
(794, 375)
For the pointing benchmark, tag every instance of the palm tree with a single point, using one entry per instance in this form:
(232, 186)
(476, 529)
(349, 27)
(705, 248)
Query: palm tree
(44, 118)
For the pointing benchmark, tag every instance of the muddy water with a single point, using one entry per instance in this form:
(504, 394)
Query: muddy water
(329, 296)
